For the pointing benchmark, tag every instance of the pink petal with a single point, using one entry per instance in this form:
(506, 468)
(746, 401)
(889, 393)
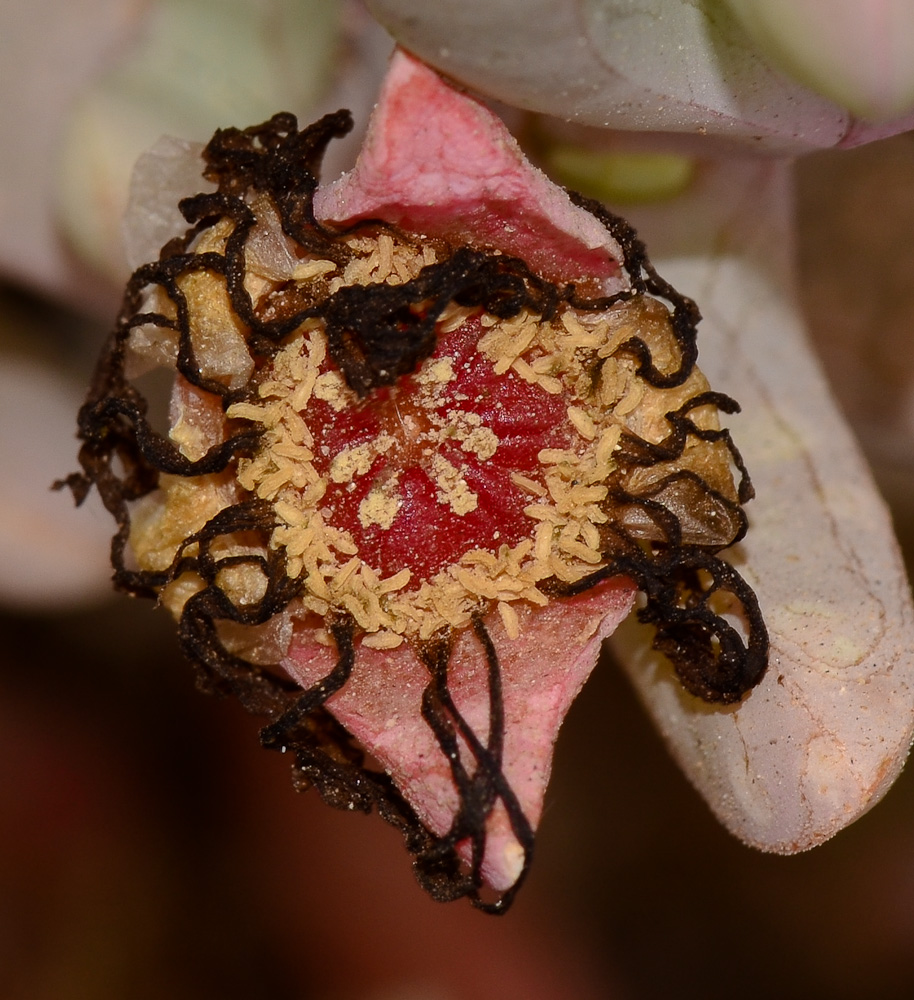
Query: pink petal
(541, 672)
(439, 162)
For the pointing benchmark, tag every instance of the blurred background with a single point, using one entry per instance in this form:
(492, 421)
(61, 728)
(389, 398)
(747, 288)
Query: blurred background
(149, 848)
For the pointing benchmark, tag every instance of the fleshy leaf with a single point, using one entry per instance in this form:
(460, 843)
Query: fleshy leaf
(859, 55)
(648, 65)
(821, 739)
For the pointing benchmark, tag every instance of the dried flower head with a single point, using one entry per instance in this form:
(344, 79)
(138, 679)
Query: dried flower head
(415, 472)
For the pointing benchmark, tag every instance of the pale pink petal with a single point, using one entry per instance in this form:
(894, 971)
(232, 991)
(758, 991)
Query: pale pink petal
(438, 161)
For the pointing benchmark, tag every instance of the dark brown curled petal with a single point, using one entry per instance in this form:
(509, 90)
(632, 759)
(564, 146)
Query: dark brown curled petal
(711, 657)
(699, 514)
(714, 660)
(273, 737)
(644, 279)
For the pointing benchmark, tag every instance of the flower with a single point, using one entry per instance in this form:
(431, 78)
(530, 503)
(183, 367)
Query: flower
(619, 75)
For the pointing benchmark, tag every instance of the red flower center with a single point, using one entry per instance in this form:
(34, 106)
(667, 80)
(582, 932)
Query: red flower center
(452, 436)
